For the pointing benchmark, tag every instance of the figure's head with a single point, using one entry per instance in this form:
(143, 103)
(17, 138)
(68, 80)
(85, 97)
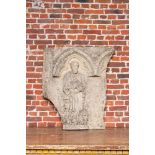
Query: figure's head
(74, 66)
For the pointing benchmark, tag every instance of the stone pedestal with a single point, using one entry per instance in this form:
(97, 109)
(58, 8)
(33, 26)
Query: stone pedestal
(74, 80)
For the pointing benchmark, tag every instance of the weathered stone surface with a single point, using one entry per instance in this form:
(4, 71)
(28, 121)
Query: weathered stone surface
(74, 79)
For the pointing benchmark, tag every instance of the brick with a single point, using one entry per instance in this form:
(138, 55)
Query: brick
(81, 37)
(42, 124)
(122, 6)
(110, 125)
(103, 16)
(49, 124)
(65, 1)
(119, 108)
(95, 6)
(45, 21)
(83, 26)
(51, 119)
(114, 11)
(119, 37)
(123, 97)
(76, 16)
(43, 42)
(84, 5)
(115, 86)
(125, 69)
(126, 32)
(37, 86)
(100, 37)
(83, 21)
(30, 97)
(117, 42)
(94, 16)
(53, 31)
(101, 22)
(30, 108)
(126, 113)
(73, 26)
(79, 42)
(29, 42)
(65, 5)
(120, 125)
(116, 64)
(71, 37)
(64, 26)
(104, 5)
(33, 36)
(94, 11)
(32, 124)
(118, 22)
(123, 76)
(56, 10)
(125, 119)
(29, 92)
(32, 119)
(55, 15)
(111, 119)
(52, 113)
(38, 92)
(33, 75)
(116, 92)
(43, 113)
(36, 10)
(121, 16)
(73, 31)
(92, 31)
(67, 21)
(112, 17)
(66, 16)
(30, 20)
(113, 6)
(103, 1)
(57, 5)
(61, 36)
(101, 26)
(98, 42)
(76, 11)
(75, 5)
(43, 15)
(35, 103)
(120, 1)
(44, 103)
(42, 108)
(61, 42)
(109, 113)
(32, 113)
(123, 81)
(111, 97)
(118, 113)
(119, 103)
(38, 31)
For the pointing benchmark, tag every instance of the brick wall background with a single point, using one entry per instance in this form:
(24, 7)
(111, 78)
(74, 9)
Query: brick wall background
(55, 23)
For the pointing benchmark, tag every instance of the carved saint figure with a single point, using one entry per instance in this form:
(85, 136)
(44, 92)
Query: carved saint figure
(74, 87)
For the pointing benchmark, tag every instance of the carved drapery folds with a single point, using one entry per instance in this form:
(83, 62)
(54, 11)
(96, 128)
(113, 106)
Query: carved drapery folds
(74, 80)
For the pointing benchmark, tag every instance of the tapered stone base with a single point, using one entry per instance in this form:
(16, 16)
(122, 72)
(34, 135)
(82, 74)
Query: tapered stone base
(75, 127)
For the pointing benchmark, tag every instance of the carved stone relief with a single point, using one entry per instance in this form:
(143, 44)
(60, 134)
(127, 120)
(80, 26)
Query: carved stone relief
(74, 80)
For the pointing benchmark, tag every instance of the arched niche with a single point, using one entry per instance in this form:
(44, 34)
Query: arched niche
(61, 63)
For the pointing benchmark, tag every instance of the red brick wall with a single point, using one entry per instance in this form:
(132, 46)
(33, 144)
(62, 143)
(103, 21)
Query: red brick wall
(53, 23)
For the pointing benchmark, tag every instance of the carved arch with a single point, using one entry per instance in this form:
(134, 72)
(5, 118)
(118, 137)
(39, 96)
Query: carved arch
(103, 61)
(61, 60)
